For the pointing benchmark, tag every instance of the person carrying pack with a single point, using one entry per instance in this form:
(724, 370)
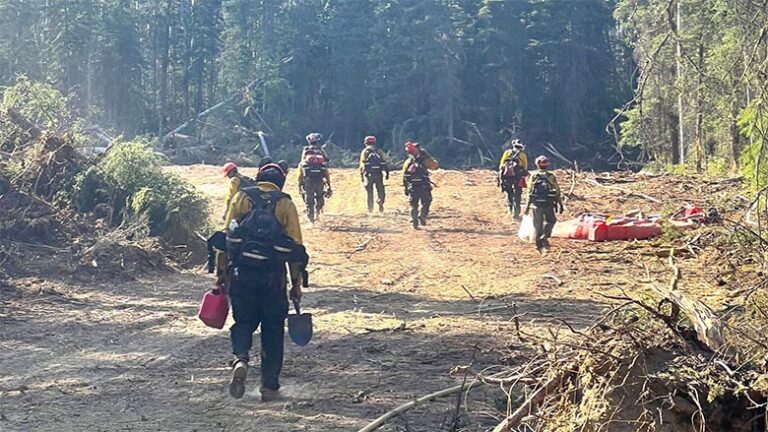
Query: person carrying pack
(545, 198)
(373, 171)
(262, 236)
(237, 181)
(314, 176)
(416, 181)
(513, 169)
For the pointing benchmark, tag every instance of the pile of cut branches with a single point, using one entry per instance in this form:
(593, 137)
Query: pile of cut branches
(669, 364)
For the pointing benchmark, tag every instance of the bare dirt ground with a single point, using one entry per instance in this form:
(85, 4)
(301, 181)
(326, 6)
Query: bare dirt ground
(395, 309)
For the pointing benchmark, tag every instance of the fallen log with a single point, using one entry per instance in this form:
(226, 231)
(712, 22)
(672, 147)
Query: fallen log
(708, 327)
(556, 153)
(19, 120)
(381, 421)
(215, 107)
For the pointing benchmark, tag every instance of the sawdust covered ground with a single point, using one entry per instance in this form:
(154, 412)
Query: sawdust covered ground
(395, 310)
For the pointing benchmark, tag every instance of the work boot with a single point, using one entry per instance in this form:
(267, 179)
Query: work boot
(370, 209)
(269, 395)
(423, 220)
(237, 383)
(381, 207)
(415, 223)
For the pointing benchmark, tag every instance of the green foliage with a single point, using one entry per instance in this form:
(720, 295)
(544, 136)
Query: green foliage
(716, 168)
(174, 208)
(89, 189)
(133, 171)
(694, 80)
(132, 165)
(754, 158)
(40, 103)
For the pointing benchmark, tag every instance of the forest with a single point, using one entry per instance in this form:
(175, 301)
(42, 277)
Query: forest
(665, 80)
(461, 76)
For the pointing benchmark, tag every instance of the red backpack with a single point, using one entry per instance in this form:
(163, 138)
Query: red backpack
(315, 166)
(511, 169)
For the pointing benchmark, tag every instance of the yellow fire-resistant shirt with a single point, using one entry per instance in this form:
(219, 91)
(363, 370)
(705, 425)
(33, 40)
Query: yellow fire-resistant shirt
(285, 213)
(364, 155)
(234, 187)
(551, 179)
(424, 158)
(302, 162)
(522, 158)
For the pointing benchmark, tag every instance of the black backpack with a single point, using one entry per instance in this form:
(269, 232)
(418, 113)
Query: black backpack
(260, 242)
(246, 182)
(541, 191)
(417, 176)
(373, 163)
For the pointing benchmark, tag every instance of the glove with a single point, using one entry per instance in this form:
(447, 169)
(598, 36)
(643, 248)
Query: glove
(296, 293)
(386, 175)
(527, 210)
(406, 192)
(329, 193)
(561, 208)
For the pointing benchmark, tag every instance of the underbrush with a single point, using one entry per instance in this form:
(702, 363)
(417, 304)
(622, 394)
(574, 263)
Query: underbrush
(713, 168)
(129, 180)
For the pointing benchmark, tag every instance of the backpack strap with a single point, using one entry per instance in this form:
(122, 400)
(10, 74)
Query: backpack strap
(259, 197)
(246, 182)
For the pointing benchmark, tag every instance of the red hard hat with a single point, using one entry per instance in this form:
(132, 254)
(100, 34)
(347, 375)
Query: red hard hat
(229, 167)
(411, 148)
(369, 140)
(542, 162)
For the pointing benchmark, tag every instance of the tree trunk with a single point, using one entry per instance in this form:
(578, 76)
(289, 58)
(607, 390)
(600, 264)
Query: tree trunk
(699, 111)
(673, 137)
(680, 83)
(186, 57)
(165, 28)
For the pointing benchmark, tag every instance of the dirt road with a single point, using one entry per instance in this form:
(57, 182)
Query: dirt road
(395, 310)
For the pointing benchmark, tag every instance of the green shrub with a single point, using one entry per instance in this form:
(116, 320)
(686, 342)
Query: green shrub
(715, 167)
(132, 165)
(89, 189)
(130, 177)
(43, 105)
(173, 207)
(753, 122)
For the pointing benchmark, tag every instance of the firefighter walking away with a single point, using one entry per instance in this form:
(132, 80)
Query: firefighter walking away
(373, 171)
(545, 198)
(416, 181)
(314, 177)
(262, 236)
(513, 169)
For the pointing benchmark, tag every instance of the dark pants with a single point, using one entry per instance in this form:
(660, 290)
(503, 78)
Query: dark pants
(314, 196)
(421, 195)
(543, 222)
(514, 195)
(260, 300)
(371, 181)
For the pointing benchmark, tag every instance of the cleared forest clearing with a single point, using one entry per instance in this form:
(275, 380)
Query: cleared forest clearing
(395, 310)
